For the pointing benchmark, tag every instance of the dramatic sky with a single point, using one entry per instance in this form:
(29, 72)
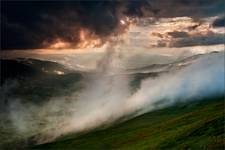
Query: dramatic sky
(158, 26)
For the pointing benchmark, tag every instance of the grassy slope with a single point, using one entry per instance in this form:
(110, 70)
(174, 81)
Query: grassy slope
(198, 125)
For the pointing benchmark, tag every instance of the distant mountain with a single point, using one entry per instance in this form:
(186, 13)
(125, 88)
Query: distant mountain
(37, 80)
(159, 68)
(25, 67)
(45, 66)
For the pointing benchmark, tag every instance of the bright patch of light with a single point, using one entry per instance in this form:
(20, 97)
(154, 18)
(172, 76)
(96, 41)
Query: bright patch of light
(59, 72)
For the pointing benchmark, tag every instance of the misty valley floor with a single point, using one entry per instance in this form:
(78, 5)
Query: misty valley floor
(194, 125)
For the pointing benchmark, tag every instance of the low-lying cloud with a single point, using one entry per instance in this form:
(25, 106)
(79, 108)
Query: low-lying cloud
(107, 97)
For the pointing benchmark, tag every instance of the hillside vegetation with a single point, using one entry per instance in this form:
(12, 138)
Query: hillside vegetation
(195, 125)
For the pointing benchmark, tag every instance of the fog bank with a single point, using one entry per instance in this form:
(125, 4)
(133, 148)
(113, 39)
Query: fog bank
(106, 98)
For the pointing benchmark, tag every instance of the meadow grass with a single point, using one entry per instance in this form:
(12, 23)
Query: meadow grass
(194, 125)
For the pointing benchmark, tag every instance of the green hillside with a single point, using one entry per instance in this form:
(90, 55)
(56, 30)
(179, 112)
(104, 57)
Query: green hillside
(194, 125)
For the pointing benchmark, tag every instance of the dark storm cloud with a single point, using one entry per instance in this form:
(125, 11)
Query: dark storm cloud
(27, 24)
(140, 8)
(178, 34)
(192, 8)
(220, 22)
(209, 39)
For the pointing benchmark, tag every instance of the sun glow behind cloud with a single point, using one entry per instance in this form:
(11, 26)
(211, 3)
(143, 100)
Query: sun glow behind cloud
(154, 37)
